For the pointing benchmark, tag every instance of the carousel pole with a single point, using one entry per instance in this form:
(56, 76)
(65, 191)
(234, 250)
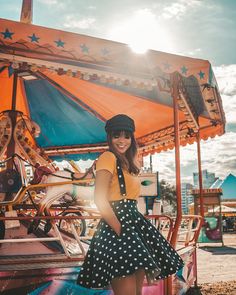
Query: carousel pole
(26, 17)
(196, 209)
(151, 164)
(200, 176)
(14, 90)
(174, 92)
(13, 117)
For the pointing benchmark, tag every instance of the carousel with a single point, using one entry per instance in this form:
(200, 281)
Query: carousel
(57, 89)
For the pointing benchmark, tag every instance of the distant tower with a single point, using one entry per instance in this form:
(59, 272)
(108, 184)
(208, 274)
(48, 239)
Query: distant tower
(208, 178)
(27, 12)
(187, 198)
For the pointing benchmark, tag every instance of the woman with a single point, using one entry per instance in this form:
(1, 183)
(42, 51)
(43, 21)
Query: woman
(126, 246)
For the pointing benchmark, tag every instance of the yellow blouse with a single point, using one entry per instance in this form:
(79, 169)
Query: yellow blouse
(107, 161)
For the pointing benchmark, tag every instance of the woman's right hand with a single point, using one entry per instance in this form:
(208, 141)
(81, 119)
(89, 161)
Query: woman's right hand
(118, 229)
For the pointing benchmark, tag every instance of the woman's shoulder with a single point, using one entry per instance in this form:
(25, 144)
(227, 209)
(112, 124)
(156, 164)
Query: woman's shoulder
(107, 155)
(106, 161)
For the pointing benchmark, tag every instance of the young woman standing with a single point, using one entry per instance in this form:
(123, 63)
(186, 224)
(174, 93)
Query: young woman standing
(126, 246)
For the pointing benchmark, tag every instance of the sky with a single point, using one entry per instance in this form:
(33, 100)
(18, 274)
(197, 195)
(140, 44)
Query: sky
(196, 28)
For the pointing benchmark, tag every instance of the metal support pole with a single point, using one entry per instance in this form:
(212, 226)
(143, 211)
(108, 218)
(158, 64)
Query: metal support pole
(151, 165)
(26, 12)
(174, 83)
(201, 201)
(173, 241)
(13, 101)
(13, 116)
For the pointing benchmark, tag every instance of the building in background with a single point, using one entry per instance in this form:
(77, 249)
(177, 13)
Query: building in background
(228, 186)
(187, 198)
(208, 178)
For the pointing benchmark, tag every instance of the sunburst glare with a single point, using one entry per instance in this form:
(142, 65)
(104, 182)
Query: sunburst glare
(142, 32)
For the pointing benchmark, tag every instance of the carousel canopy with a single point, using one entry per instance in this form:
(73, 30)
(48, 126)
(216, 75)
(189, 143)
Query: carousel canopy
(70, 84)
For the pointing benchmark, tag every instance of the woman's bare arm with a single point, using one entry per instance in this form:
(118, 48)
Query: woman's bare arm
(103, 178)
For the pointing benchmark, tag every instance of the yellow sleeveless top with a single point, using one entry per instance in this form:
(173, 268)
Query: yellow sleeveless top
(107, 161)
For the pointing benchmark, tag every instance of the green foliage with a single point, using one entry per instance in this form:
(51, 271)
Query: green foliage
(168, 193)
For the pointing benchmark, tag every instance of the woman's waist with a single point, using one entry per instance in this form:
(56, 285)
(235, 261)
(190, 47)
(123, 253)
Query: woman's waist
(123, 200)
(124, 205)
(118, 197)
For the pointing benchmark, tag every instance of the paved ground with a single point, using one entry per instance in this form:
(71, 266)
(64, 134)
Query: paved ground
(217, 267)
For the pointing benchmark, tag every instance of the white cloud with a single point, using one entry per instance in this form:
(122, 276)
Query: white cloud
(179, 8)
(78, 23)
(222, 158)
(50, 2)
(193, 52)
(175, 10)
(55, 3)
(92, 7)
(226, 79)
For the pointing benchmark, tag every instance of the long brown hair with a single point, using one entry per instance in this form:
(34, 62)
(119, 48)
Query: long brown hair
(129, 160)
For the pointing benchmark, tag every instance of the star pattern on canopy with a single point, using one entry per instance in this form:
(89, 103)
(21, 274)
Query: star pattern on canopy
(34, 38)
(105, 51)
(184, 70)
(7, 34)
(166, 65)
(60, 43)
(201, 75)
(84, 48)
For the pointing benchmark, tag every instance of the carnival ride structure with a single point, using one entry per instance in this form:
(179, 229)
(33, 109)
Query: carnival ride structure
(211, 231)
(57, 89)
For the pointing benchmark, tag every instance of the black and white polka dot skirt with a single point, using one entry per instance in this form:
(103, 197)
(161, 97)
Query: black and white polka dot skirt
(139, 246)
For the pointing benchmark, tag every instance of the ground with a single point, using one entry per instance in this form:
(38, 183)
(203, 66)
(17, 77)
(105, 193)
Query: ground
(221, 288)
(217, 267)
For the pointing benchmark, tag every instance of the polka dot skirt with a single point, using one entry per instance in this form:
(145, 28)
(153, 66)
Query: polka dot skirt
(139, 246)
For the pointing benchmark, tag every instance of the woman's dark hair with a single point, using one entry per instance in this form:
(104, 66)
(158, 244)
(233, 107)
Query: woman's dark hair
(129, 160)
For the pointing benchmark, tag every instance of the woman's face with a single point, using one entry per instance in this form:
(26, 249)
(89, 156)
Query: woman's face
(121, 141)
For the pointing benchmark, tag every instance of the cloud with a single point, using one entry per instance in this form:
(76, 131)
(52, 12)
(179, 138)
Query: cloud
(193, 52)
(179, 8)
(74, 22)
(222, 158)
(226, 79)
(57, 4)
(50, 2)
(92, 7)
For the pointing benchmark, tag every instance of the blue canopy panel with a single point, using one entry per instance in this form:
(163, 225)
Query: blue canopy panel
(63, 122)
(75, 157)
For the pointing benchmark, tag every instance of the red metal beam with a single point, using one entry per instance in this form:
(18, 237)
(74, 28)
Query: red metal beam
(200, 176)
(175, 93)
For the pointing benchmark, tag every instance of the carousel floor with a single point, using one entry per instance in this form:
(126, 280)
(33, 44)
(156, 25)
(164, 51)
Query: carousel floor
(25, 266)
(26, 255)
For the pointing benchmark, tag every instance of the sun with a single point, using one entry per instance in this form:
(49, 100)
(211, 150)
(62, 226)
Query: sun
(142, 32)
